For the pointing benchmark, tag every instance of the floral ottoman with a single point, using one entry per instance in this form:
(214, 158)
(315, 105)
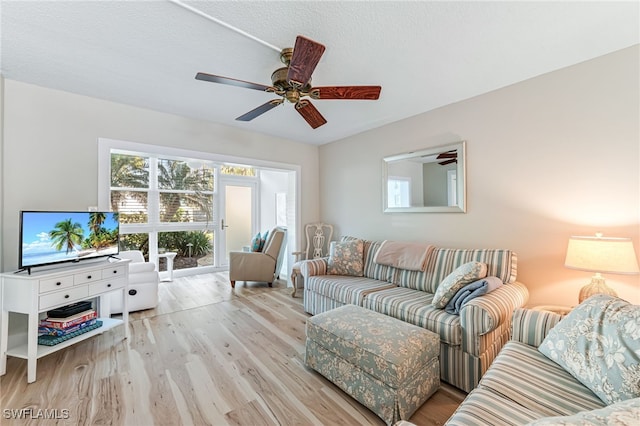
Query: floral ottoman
(388, 365)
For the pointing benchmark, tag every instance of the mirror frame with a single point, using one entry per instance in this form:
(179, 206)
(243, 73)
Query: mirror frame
(461, 180)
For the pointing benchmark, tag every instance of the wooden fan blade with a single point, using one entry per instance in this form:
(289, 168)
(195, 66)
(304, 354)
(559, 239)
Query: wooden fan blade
(448, 154)
(260, 110)
(310, 113)
(370, 93)
(444, 163)
(233, 82)
(306, 55)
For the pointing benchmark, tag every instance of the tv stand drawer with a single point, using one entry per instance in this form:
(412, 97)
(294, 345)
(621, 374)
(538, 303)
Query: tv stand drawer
(87, 277)
(113, 272)
(63, 297)
(104, 286)
(55, 283)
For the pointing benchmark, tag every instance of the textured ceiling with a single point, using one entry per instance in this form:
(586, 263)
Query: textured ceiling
(423, 54)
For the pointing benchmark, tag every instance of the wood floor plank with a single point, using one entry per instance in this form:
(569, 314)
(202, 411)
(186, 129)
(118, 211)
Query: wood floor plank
(207, 355)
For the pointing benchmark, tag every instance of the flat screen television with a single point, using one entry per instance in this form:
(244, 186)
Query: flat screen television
(48, 237)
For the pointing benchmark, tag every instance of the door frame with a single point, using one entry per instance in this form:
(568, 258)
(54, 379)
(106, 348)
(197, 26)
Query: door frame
(220, 241)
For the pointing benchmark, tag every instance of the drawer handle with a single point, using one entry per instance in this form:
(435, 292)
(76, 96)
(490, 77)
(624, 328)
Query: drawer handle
(58, 283)
(66, 296)
(115, 272)
(109, 285)
(88, 277)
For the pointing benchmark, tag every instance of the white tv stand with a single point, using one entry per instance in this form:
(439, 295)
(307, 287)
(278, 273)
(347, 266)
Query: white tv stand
(41, 291)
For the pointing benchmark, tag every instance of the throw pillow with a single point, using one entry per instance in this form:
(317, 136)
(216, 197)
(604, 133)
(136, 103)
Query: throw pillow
(625, 413)
(599, 344)
(263, 240)
(346, 258)
(255, 243)
(453, 282)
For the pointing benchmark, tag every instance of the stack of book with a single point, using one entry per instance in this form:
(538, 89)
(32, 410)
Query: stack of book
(57, 328)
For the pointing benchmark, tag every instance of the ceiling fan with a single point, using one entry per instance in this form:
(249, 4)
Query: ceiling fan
(293, 83)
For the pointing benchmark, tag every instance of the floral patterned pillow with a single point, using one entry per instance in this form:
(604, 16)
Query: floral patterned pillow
(625, 413)
(346, 258)
(453, 282)
(599, 344)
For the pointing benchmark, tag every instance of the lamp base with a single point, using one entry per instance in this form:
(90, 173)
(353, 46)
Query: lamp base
(596, 286)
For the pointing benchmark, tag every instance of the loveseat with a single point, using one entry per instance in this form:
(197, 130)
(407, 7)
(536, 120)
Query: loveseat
(583, 369)
(469, 341)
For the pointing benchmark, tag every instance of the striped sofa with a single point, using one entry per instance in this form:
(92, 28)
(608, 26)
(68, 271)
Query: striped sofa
(522, 384)
(468, 342)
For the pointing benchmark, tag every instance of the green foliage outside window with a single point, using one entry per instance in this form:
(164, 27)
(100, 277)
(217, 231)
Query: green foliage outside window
(237, 170)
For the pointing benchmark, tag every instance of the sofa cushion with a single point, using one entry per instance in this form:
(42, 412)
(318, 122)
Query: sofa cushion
(458, 278)
(525, 376)
(344, 289)
(415, 307)
(346, 258)
(599, 344)
(416, 280)
(500, 263)
(372, 269)
(625, 413)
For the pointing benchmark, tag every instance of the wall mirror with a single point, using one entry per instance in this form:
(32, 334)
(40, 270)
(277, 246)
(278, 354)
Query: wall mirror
(431, 180)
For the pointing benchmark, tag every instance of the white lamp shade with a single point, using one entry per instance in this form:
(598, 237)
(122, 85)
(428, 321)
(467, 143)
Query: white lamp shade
(600, 254)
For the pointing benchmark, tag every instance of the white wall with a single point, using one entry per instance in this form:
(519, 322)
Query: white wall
(271, 182)
(1, 169)
(51, 154)
(551, 157)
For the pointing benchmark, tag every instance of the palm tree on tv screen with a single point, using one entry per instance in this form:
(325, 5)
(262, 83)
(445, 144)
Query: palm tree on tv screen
(66, 235)
(95, 221)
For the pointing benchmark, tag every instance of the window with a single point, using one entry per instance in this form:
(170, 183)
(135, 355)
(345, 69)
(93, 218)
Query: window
(185, 191)
(165, 203)
(399, 191)
(173, 199)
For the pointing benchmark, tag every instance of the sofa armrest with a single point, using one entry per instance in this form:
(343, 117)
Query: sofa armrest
(531, 327)
(312, 267)
(490, 313)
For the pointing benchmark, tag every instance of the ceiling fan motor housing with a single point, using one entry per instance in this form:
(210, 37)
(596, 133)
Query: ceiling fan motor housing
(291, 94)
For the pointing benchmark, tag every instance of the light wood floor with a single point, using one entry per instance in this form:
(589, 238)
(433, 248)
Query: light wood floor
(206, 355)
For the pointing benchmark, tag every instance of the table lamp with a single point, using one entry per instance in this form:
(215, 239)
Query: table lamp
(600, 255)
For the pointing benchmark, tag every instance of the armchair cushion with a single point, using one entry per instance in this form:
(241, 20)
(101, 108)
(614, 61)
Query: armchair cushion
(625, 413)
(599, 344)
(138, 268)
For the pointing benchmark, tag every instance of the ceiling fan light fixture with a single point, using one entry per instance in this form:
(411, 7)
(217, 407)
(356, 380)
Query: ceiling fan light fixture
(292, 96)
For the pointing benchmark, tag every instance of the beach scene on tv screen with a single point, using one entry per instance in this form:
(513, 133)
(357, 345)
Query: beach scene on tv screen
(49, 237)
